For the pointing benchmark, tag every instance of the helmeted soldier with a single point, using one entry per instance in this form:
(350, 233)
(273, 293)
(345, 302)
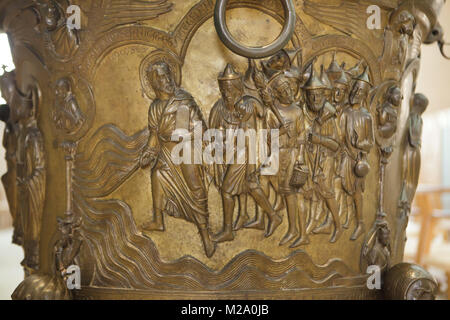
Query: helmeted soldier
(322, 141)
(358, 139)
(235, 111)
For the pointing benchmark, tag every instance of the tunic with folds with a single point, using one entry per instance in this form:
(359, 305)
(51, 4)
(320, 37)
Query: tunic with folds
(320, 159)
(236, 178)
(291, 145)
(357, 128)
(184, 185)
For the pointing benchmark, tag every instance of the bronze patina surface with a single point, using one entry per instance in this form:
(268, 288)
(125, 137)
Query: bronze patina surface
(92, 111)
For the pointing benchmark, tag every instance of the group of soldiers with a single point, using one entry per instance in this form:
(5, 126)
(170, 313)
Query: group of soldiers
(325, 136)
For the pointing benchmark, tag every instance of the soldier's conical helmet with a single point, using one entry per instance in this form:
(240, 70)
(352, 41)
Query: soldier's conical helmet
(229, 73)
(314, 82)
(364, 77)
(324, 78)
(334, 69)
(356, 70)
(344, 79)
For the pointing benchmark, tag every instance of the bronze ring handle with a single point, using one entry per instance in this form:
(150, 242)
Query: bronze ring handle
(255, 52)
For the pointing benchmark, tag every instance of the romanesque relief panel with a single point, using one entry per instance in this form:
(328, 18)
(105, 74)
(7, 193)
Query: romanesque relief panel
(165, 183)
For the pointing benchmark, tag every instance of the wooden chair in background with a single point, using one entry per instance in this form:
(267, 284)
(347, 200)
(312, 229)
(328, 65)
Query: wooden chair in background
(434, 222)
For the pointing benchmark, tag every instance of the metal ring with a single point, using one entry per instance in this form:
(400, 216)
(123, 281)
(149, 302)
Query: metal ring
(254, 52)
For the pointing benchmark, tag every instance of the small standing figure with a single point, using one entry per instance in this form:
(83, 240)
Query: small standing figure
(358, 138)
(67, 114)
(341, 91)
(64, 41)
(180, 190)
(388, 113)
(322, 140)
(233, 112)
(403, 27)
(31, 179)
(412, 157)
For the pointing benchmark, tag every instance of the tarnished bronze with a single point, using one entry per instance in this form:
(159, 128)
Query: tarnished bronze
(101, 122)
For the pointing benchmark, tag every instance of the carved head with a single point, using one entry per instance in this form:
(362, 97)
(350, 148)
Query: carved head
(315, 99)
(340, 93)
(279, 61)
(231, 85)
(315, 92)
(63, 88)
(341, 88)
(394, 96)
(282, 90)
(405, 23)
(162, 80)
(359, 93)
(52, 15)
(420, 103)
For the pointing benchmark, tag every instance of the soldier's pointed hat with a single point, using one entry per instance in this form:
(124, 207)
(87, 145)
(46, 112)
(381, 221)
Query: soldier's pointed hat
(334, 66)
(229, 74)
(314, 82)
(343, 79)
(356, 70)
(364, 77)
(324, 78)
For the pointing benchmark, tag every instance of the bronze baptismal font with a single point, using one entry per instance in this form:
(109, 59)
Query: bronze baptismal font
(215, 149)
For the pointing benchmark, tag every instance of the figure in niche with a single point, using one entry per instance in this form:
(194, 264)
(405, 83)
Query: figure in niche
(8, 89)
(388, 112)
(322, 145)
(358, 138)
(377, 251)
(412, 157)
(403, 27)
(64, 41)
(67, 114)
(237, 111)
(288, 116)
(179, 190)
(31, 179)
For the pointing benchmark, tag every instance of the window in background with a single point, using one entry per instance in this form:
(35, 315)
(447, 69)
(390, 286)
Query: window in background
(5, 57)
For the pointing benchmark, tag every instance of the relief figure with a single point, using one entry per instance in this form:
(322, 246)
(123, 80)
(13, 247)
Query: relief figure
(322, 146)
(291, 155)
(388, 112)
(178, 190)
(31, 180)
(238, 111)
(67, 114)
(358, 138)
